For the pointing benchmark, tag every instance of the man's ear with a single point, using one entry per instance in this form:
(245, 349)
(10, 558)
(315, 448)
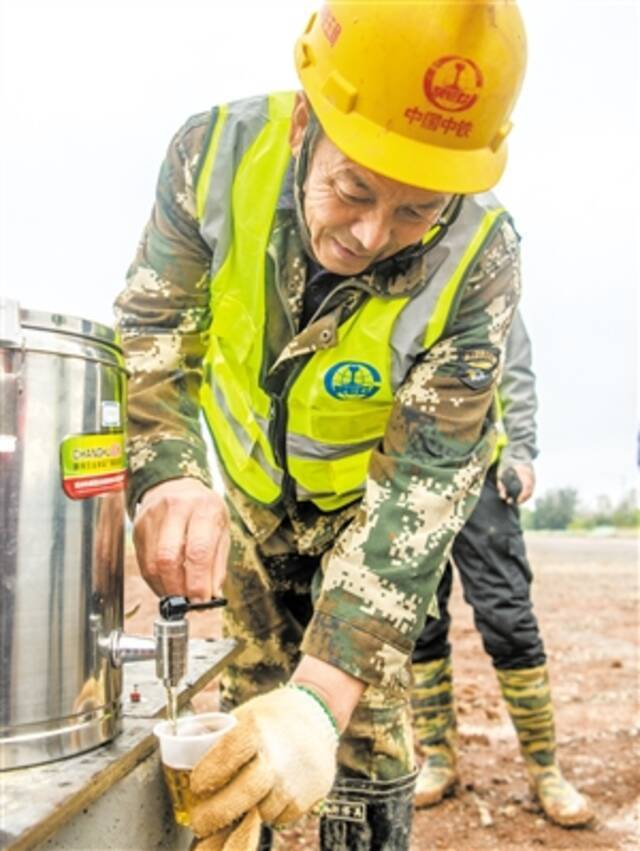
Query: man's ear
(299, 122)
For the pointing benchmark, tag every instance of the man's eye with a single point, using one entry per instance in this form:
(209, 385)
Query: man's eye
(352, 199)
(420, 214)
(416, 215)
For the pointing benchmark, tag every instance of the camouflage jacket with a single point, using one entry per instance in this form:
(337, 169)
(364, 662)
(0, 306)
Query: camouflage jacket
(384, 554)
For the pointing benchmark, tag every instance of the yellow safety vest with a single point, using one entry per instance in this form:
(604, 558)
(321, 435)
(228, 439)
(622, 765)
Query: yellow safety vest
(337, 400)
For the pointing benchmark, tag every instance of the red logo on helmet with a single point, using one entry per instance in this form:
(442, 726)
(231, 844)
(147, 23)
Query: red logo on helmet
(452, 83)
(330, 25)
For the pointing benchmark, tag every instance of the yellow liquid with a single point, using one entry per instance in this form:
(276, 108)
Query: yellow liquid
(172, 708)
(177, 780)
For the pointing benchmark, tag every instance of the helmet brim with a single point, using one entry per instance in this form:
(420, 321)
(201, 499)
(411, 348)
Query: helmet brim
(456, 171)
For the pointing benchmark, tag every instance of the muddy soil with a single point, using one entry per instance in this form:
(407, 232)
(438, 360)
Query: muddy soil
(586, 597)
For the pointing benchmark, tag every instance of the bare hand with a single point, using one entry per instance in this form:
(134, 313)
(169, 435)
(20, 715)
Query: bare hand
(527, 478)
(181, 536)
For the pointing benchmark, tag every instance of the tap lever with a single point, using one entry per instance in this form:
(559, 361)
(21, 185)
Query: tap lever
(213, 603)
(174, 608)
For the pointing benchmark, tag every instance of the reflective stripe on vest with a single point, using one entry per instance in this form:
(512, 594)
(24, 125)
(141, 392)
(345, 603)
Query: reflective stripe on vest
(502, 439)
(339, 403)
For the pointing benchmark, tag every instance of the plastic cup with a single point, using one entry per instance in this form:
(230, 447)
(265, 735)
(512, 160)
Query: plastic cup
(180, 750)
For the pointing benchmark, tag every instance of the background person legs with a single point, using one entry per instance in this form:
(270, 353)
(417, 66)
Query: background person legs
(490, 556)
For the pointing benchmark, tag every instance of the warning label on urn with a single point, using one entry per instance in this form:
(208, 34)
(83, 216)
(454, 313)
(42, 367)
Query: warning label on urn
(93, 464)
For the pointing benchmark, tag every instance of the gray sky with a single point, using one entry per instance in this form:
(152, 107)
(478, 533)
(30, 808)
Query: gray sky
(92, 90)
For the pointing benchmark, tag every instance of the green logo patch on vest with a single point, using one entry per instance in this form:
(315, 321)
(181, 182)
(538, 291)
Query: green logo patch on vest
(352, 379)
(475, 367)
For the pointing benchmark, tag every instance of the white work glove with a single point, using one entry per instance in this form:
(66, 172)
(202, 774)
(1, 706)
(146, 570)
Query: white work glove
(279, 759)
(244, 836)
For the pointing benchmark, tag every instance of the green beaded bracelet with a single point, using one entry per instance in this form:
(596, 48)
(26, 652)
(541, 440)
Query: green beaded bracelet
(320, 703)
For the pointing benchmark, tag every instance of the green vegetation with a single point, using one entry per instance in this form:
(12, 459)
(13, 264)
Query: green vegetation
(561, 509)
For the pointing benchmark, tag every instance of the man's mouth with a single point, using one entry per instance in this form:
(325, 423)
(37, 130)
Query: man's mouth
(348, 253)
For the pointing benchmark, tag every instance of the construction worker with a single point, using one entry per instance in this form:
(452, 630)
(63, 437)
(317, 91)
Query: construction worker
(489, 554)
(324, 277)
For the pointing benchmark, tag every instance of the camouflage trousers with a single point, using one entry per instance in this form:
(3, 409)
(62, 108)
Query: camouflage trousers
(270, 589)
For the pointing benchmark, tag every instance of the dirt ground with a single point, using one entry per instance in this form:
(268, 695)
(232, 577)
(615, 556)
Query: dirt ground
(586, 596)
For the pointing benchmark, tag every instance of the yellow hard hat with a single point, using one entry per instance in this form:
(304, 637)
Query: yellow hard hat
(417, 90)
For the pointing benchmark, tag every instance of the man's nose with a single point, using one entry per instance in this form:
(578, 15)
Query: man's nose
(372, 230)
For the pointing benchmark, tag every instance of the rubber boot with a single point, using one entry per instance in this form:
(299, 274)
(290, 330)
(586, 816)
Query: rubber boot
(434, 723)
(368, 815)
(528, 697)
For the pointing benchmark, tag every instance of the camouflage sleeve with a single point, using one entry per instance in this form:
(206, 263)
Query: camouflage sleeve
(381, 576)
(518, 397)
(163, 317)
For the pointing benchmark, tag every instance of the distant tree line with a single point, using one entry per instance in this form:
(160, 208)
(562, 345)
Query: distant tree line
(561, 509)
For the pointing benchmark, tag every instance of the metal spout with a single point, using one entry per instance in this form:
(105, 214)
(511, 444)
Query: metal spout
(171, 641)
(121, 648)
(169, 646)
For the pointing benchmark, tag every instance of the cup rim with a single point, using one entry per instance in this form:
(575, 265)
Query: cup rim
(160, 729)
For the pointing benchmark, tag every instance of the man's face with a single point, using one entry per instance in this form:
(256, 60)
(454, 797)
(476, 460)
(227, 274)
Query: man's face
(357, 217)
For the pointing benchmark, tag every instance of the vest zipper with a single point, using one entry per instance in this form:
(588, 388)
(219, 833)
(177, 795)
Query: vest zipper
(278, 427)
(277, 420)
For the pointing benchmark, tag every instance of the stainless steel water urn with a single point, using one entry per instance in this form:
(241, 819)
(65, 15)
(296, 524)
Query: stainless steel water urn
(62, 478)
